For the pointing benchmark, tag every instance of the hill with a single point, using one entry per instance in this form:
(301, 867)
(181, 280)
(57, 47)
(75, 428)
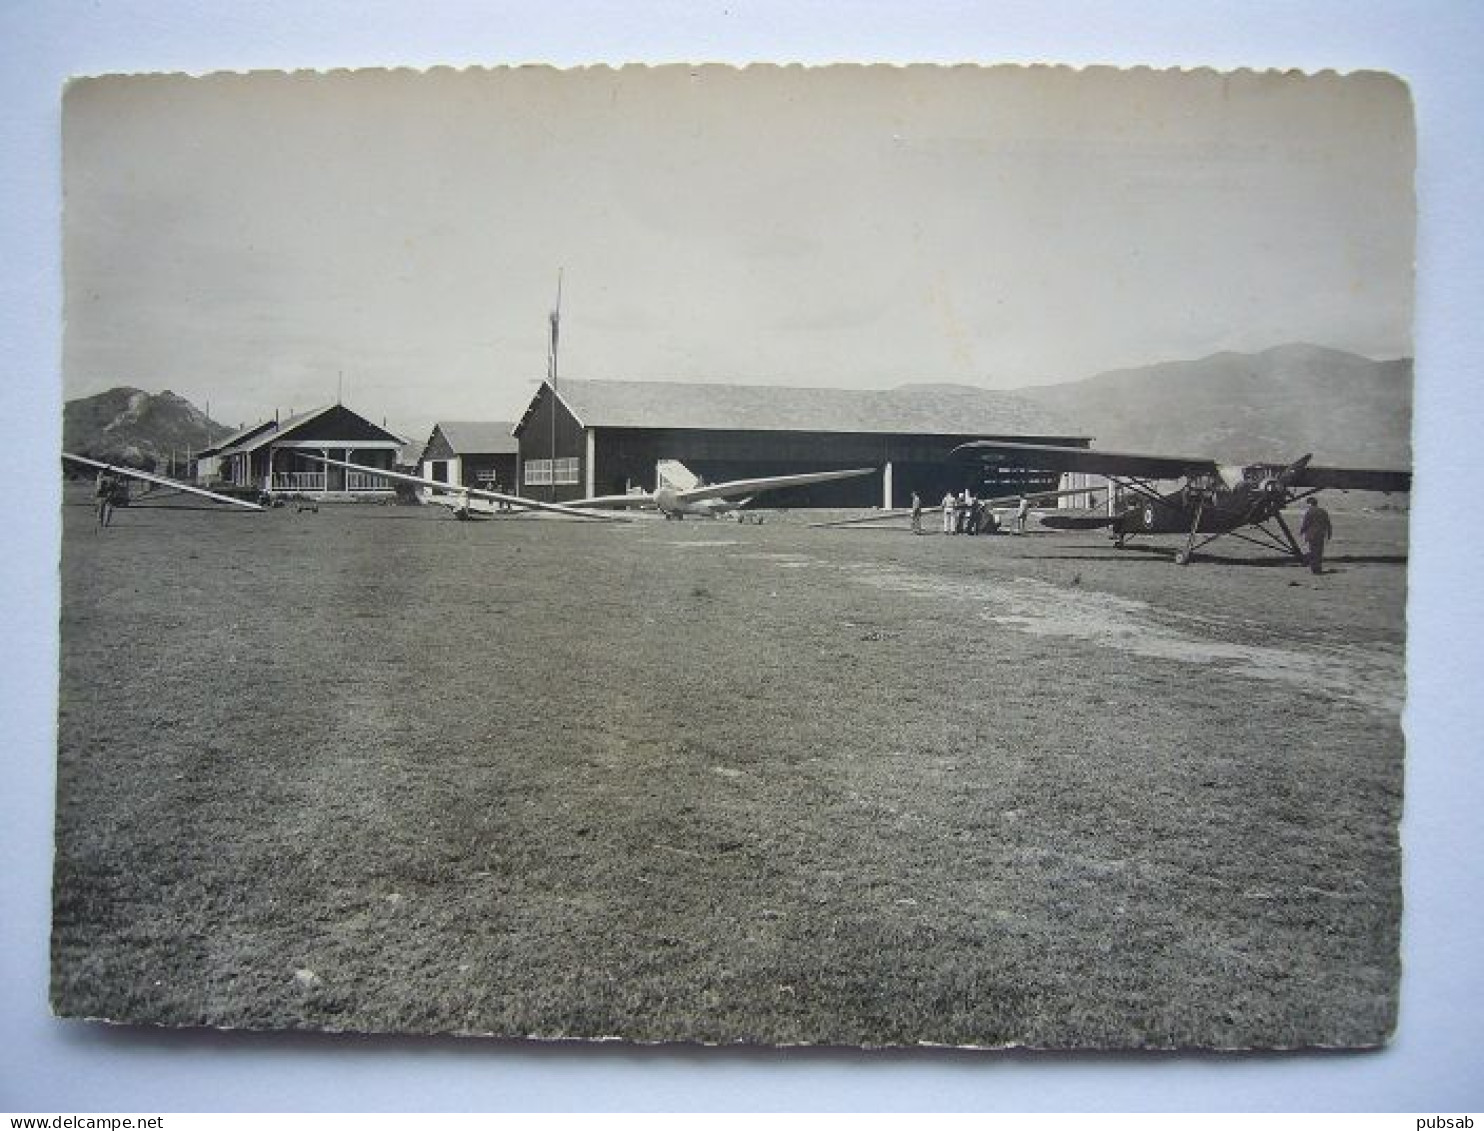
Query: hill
(1278, 404)
(130, 426)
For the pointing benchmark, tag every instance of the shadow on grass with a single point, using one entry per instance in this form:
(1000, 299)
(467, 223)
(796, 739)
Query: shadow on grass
(164, 505)
(139, 507)
(1166, 555)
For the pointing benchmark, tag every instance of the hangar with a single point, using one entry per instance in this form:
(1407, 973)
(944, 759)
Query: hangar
(605, 437)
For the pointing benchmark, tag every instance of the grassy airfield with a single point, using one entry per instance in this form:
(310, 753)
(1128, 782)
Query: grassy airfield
(373, 769)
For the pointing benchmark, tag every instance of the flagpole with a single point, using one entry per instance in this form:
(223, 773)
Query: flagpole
(551, 375)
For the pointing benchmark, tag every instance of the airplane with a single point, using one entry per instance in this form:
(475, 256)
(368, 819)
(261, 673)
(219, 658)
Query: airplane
(161, 480)
(572, 510)
(1214, 500)
(681, 493)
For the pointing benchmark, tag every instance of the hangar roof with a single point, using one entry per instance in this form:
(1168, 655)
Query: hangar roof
(924, 410)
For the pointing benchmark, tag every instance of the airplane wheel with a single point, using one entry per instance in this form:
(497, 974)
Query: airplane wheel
(1182, 558)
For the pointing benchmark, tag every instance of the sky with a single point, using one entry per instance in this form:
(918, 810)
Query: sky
(259, 241)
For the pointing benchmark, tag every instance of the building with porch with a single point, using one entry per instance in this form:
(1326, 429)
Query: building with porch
(271, 457)
(607, 437)
(472, 453)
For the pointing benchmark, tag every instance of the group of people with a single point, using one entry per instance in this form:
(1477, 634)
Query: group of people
(965, 514)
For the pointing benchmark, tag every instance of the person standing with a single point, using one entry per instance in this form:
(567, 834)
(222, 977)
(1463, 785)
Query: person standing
(1316, 529)
(1022, 510)
(916, 513)
(103, 492)
(948, 513)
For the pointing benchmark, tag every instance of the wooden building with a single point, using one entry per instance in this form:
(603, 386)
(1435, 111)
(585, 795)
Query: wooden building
(472, 453)
(270, 457)
(606, 437)
(211, 468)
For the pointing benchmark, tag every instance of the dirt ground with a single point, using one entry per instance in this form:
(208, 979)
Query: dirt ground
(374, 769)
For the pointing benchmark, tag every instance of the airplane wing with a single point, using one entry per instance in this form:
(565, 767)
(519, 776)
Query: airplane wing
(475, 492)
(164, 481)
(874, 516)
(1353, 479)
(1055, 457)
(771, 483)
(618, 501)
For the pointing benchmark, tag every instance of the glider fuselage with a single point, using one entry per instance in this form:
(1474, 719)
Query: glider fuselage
(669, 504)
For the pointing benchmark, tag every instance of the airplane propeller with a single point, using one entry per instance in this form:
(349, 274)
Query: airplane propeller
(1283, 482)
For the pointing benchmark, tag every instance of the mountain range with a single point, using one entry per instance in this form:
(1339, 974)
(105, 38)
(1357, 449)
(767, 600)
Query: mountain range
(1275, 405)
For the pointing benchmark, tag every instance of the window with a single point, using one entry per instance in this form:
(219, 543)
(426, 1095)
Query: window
(539, 472)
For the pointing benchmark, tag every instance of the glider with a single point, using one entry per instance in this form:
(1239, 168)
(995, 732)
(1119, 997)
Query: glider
(161, 480)
(572, 510)
(710, 500)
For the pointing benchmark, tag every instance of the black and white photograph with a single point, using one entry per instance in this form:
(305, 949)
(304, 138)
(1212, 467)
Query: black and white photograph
(867, 556)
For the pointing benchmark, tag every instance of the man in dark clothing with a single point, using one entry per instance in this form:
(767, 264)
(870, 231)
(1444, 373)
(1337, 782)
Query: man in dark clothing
(105, 491)
(1316, 530)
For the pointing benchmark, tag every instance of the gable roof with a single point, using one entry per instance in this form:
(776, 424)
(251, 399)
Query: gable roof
(252, 439)
(476, 437)
(234, 439)
(931, 410)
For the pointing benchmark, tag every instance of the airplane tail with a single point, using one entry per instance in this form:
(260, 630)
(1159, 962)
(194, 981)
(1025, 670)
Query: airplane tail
(675, 475)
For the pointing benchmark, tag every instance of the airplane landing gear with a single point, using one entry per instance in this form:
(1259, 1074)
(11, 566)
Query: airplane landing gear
(1182, 557)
